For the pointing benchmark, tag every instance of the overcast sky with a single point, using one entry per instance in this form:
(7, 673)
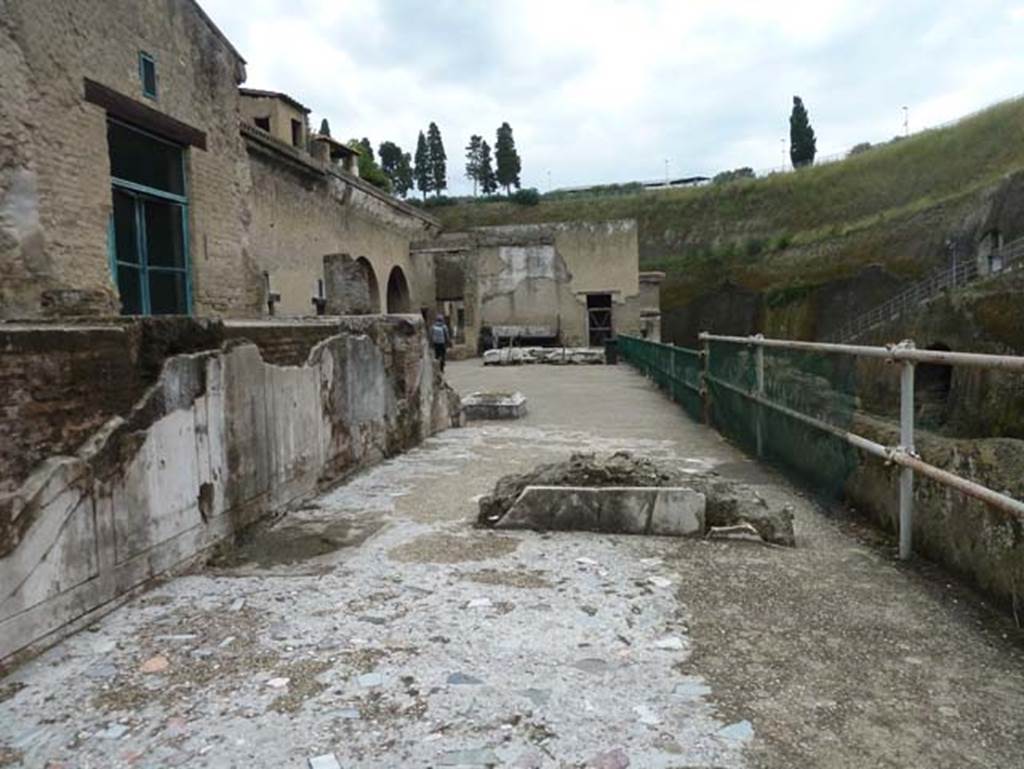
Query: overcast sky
(599, 91)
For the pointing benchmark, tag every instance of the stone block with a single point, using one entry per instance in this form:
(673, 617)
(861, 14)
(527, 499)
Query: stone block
(482, 405)
(665, 511)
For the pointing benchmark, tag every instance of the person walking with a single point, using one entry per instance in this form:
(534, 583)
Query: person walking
(441, 338)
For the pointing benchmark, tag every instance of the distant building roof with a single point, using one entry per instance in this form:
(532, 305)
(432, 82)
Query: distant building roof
(260, 94)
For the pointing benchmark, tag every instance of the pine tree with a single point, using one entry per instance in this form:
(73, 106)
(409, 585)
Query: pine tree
(488, 181)
(438, 159)
(368, 168)
(507, 159)
(473, 160)
(802, 142)
(395, 165)
(422, 171)
(325, 128)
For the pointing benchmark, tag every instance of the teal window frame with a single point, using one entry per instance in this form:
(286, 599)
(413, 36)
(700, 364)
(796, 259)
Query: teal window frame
(140, 193)
(144, 59)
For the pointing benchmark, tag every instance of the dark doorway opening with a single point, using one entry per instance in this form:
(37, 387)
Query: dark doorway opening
(599, 319)
(398, 292)
(933, 383)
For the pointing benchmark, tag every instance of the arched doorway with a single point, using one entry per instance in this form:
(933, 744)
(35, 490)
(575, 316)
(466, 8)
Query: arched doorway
(369, 280)
(398, 292)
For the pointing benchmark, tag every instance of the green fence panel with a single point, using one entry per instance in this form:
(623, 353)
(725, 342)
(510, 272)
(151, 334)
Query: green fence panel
(676, 370)
(822, 386)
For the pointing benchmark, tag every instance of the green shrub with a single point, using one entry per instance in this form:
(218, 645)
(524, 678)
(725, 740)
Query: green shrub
(526, 197)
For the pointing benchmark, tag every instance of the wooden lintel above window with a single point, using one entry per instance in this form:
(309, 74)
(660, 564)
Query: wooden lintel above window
(138, 114)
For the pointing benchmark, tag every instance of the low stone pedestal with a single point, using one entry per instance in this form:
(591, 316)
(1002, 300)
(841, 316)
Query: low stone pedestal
(494, 405)
(669, 511)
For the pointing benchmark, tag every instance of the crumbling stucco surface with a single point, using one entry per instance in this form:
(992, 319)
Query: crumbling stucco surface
(539, 275)
(410, 639)
(221, 438)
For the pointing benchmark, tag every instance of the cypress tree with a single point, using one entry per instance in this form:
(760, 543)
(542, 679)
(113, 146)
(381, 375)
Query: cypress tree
(473, 160)
(405, 174)
(438, 159)
(507, 158)
(422, 171)
(325, 128)
(802, 142)
(488, 181)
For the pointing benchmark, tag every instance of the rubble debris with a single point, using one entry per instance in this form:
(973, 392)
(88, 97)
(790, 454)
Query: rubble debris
(157, 664)
(461, 679)
(494, 405)
(475, 757)
(370, 680)
(740, 531)
(615, 758)
(741, 730)
(670, 643)
(727, 503)
(558, 356)
(326, 761)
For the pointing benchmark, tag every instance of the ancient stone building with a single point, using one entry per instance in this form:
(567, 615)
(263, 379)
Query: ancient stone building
(573, 283)
(124, 182)
(325, 240)
(137, 178)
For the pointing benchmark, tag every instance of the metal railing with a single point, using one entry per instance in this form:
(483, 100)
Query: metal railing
(1001, 260)
(651, 357)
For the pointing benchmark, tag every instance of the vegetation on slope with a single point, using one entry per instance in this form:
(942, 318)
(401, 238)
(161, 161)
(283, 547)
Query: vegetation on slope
(786, 236)
(889, 180)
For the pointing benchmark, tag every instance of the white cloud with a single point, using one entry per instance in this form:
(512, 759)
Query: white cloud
(606, 90)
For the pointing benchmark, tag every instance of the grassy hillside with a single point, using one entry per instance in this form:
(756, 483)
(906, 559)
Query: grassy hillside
(787, 234)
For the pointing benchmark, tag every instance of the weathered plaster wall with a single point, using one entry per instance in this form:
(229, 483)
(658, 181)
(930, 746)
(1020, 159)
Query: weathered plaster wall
(55, 198)
(539, 275)
(304, 210)
(220, 438)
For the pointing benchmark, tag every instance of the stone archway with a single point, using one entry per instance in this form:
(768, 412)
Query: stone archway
(399, 300)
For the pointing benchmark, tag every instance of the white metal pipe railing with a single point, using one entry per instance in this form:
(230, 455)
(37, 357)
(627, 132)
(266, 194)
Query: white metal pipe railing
(904, 454)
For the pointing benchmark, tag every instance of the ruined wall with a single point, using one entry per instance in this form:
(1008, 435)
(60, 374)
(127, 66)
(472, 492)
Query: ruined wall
(981, 543)
(304, 210)
(539, 275)
(218, 439)
(55, 197)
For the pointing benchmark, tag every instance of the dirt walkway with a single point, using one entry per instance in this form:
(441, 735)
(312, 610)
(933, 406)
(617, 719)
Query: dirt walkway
(376, 625)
